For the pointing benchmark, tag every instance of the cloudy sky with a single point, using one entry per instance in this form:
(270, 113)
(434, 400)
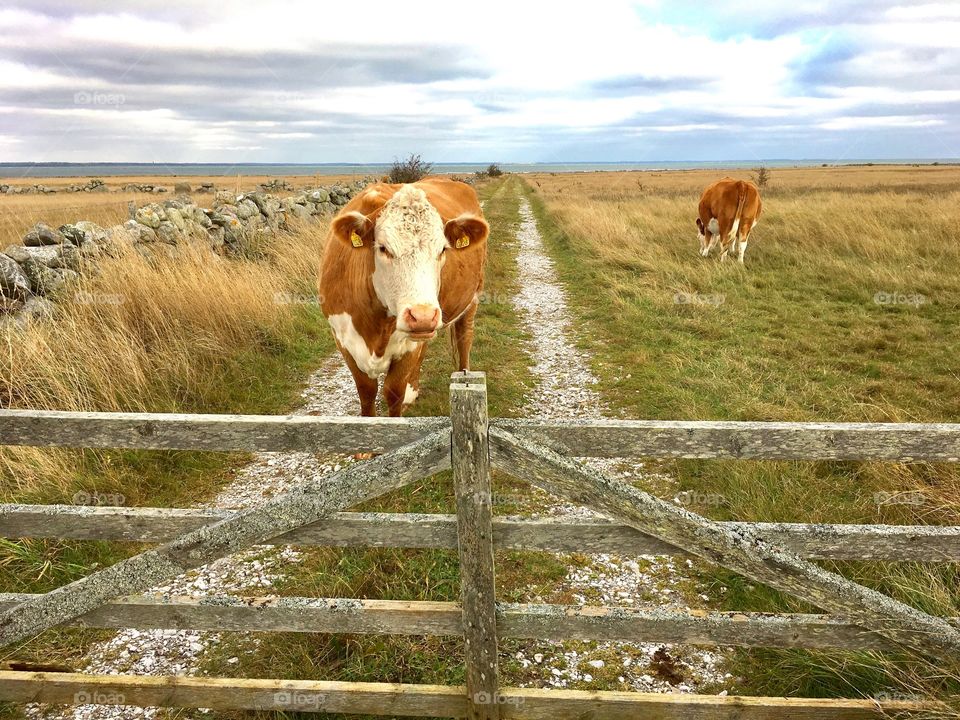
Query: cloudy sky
(206, 81)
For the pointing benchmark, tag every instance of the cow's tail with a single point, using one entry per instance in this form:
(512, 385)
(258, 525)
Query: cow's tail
(741, 201)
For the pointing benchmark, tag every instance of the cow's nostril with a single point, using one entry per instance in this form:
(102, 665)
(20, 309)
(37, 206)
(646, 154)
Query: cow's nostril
(422, 318)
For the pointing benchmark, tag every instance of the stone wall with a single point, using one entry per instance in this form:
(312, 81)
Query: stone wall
(96, 185)
(34, 274)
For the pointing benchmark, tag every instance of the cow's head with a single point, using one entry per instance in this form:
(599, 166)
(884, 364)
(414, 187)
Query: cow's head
(409, 241)
(701, 236)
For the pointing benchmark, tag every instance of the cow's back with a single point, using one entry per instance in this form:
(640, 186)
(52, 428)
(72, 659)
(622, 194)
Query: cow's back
(722, 198)
(451, 198)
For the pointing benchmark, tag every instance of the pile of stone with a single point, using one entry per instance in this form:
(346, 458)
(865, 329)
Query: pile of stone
(276, 184)
(182, 187)
(26, 190)
(49, 260)
(93, 185)
(144, 188)
(98, 185)
(242, 216)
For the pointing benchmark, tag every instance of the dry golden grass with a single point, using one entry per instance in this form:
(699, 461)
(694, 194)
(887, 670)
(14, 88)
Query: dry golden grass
(18, 213)
(803, 331)
(191, 333)
(608, 186)
(158, 334)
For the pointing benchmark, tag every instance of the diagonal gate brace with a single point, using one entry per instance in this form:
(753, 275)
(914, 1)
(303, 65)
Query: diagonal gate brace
(308, 503)
(738, 549)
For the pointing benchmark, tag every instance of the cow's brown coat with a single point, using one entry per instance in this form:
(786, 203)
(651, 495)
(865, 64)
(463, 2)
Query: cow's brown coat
(726, 201)
(346, 284)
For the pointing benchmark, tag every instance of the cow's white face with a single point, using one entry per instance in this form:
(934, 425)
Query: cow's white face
(409, 242)
(409, 254)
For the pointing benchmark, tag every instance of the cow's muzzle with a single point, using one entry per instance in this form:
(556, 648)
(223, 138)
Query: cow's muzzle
(420, 321)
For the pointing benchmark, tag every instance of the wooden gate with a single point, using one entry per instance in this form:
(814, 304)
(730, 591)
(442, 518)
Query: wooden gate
(777, 554)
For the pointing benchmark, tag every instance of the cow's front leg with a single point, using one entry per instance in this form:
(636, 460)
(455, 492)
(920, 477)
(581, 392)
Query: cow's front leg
(366, 385)
(712, 240)
(414, 380)
(402, 384)
(463, 336)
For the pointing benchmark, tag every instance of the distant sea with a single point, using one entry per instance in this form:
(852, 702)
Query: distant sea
(10, 170)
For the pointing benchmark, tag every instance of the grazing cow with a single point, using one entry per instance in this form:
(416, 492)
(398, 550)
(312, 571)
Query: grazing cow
(402, 262)
(729, 209)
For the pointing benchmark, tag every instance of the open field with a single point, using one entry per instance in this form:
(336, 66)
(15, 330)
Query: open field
(796, 334)
(610, 186)
(848, 309)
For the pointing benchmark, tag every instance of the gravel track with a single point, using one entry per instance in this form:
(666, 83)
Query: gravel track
(565, 390)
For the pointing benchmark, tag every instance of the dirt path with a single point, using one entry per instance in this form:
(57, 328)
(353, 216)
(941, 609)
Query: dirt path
(329, 391)
(566, 389)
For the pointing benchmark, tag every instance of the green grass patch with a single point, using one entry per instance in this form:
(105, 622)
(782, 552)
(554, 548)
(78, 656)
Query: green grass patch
(806, 330)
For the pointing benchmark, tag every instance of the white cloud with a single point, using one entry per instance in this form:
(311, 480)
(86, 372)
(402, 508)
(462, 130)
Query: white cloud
(883, 121)
(505, 77)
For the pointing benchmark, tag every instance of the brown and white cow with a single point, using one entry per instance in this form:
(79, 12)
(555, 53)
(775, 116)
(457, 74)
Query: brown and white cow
(729, 209)
(402, 262)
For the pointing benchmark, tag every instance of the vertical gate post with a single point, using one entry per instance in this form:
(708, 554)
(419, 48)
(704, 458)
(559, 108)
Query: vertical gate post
(470, 460)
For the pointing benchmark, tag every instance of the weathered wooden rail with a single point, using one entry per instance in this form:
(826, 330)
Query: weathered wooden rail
(469, 443)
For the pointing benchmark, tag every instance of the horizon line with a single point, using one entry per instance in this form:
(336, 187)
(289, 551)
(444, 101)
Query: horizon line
(847, 161)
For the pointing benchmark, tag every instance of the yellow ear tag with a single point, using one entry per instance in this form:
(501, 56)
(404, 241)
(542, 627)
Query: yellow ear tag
(463, 241)
(355, 239)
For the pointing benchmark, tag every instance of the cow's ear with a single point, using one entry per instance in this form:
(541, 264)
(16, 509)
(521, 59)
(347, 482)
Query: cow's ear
(466, 231)
(353, 228)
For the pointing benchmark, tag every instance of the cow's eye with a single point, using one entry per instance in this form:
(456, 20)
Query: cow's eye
(383, 251)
